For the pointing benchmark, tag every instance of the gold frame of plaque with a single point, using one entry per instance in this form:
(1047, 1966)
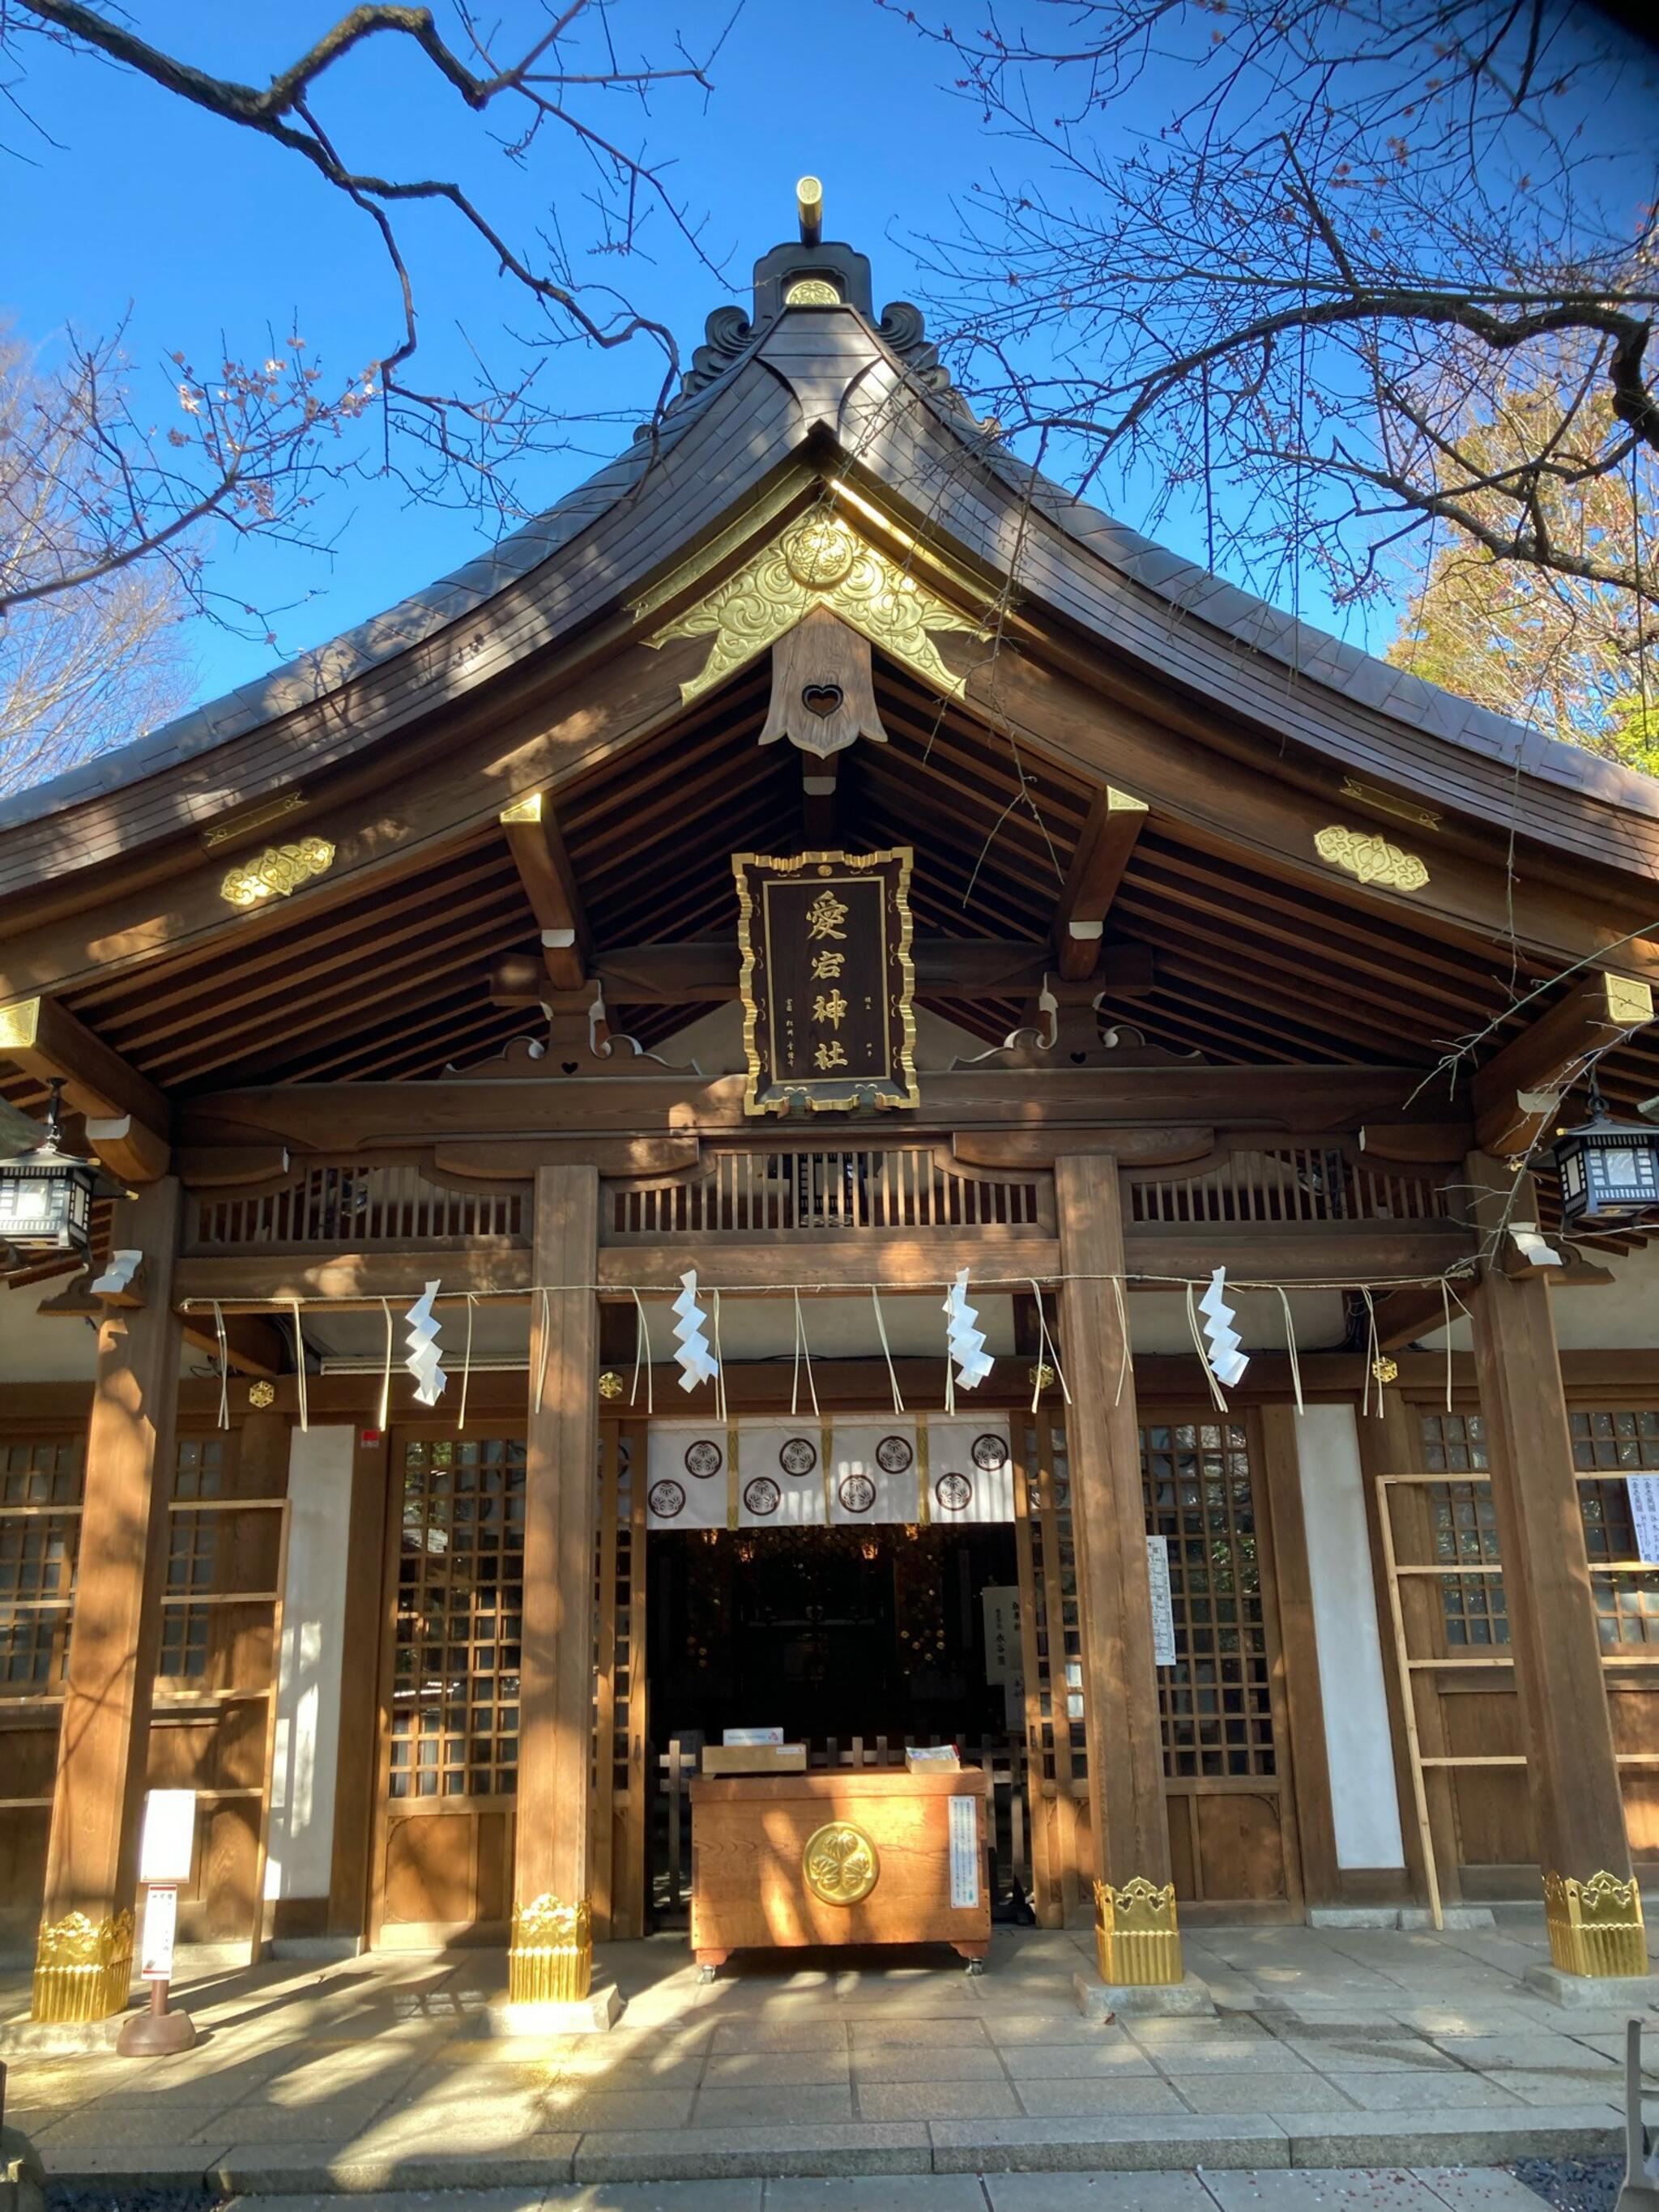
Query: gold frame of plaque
(827, 984)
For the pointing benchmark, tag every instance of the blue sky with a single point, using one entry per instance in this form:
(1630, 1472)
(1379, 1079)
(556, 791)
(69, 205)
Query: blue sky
(130, 202)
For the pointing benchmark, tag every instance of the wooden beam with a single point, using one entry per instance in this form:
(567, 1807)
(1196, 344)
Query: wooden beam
(819, 795)
(1549, 1057)
(330, 1117)
(127, 1117)
(1114, 822)
(1578, 1806)
(549, 883)
(92, 1853)
(253, 1347)
(1115, 1606)
(704, 971)
(553, 1852)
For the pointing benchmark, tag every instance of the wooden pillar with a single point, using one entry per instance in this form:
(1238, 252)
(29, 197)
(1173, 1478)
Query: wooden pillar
(83, 1968)
(552, 1960)
(1137, 1935)
(1593, 1906)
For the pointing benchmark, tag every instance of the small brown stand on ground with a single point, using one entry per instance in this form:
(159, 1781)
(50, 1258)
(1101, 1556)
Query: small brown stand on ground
(158, 2033)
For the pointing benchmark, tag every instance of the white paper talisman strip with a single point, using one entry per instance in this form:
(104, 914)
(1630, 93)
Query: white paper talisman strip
(872, 1471)
(687, 1475)
(970, 1469)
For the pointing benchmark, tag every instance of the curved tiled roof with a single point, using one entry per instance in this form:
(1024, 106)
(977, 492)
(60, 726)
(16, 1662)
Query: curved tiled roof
(1177, 617)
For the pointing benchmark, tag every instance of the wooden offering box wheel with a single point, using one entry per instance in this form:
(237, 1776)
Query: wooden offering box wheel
(787, 1861)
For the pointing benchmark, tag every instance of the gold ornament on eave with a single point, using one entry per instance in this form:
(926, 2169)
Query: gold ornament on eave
(819, 561)
(277, 872)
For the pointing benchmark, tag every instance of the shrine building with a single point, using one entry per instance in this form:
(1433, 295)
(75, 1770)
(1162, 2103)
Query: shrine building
(1068, 1064)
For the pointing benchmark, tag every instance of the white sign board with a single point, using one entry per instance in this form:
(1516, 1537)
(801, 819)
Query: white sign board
(168, 1848)
(751, 1735)
(1157, 1574)
(161, 1923)
(965, 1854)
(1003, 1662)
(1644, 1489)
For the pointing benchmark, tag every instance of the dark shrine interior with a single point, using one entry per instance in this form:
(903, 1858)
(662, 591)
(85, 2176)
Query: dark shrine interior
(842, 1632)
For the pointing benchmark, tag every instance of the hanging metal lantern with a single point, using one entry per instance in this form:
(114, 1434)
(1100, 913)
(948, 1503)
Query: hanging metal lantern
(47, 1194)
(1609, 1170)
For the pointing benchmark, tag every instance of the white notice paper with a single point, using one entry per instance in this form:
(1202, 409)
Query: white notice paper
(1643, 1491)
(1157, 1574)
(167, 1849)
(161, 1920)
(965, 1854)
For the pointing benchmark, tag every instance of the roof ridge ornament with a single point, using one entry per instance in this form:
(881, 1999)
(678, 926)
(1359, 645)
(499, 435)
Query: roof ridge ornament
(820, 561)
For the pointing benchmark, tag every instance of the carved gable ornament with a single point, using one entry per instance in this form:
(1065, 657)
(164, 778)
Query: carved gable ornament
(821, 561)
(829, 1020)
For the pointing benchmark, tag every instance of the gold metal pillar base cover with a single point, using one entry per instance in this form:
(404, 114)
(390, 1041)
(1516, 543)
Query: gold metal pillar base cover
(840, 1864)
(83, 1968)
(1595, 1927)
(551, 1958)
(1137, 1938)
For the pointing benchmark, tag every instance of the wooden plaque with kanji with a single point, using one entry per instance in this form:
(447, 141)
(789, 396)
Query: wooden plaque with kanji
(827, 986)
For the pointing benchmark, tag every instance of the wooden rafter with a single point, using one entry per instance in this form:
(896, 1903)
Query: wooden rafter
(536, 844)
(127, 1117)
(1516, 1094)
(1114, 822)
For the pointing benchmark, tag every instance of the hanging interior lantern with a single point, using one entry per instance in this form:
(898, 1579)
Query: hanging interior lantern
(47, 1194)
(1609, 1170)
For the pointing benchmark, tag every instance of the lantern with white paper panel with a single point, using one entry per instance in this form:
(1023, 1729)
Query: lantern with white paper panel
(1609, 1171)
(47, 1192)
(964, 1340)
(697, 1362)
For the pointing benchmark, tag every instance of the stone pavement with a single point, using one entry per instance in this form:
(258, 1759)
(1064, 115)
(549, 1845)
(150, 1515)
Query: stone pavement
(1302, 2188)
(1363, 2048)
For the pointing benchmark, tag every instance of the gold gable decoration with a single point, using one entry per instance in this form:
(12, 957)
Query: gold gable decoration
(820, 561)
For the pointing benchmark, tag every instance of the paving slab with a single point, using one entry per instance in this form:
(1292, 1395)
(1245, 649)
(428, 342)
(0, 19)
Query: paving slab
(881, 2192)
(1075, 2098)
(1479, 2189)
(402, 2200)
(1405, 2092)
(918, 2062)
(300, 2169)
(76, 2163)
(756, 2106)
(1062, 2061)
(777, 2069)
(1097, 2192)
(859, 2147)
(1269, 2092)
(939, 2100)
(1456, 2138)
(1105, 2144)
(1387, 2189)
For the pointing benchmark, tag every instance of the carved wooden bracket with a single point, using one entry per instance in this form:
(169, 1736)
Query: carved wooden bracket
(824, 698)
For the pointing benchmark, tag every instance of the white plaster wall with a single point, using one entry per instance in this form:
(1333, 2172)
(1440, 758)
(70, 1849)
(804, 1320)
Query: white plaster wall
(1357, 1744)
(37, 1347)
(308, 1681)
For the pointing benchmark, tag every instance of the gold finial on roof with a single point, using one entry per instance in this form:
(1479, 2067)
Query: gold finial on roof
(809, 205)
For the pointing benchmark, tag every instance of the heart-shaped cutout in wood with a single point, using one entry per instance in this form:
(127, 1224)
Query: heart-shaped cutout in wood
(821, 699)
